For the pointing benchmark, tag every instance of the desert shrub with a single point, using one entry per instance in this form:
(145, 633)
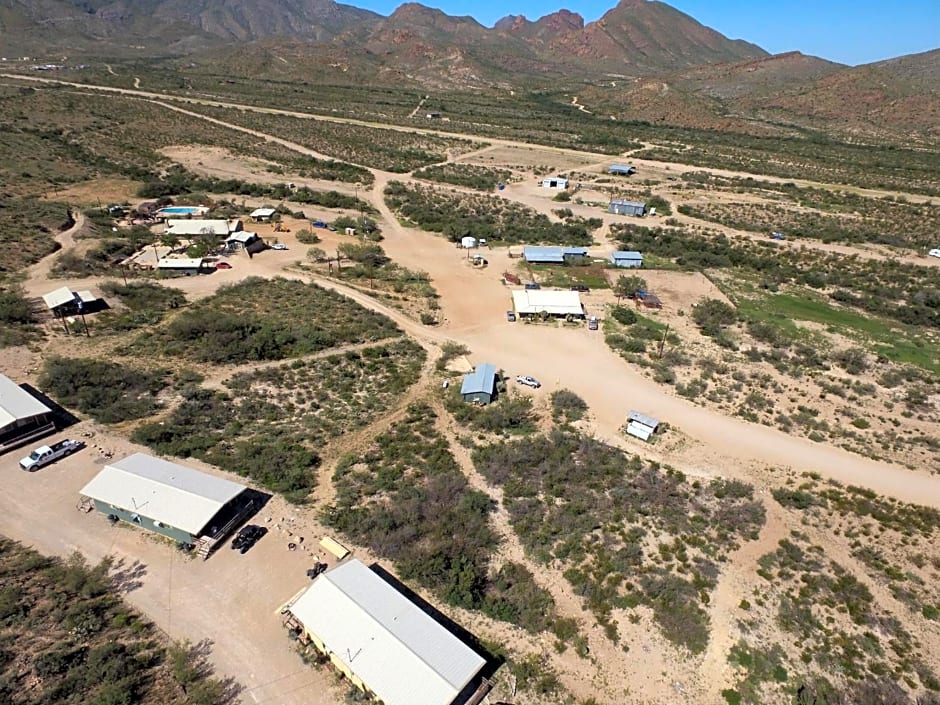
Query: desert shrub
(472, 176)
(307, 237)
(712, 315)
(107, 391)
(623, 315)
(567, 406)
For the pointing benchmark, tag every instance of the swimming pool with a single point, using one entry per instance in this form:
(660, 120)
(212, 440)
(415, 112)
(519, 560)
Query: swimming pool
(183, 210)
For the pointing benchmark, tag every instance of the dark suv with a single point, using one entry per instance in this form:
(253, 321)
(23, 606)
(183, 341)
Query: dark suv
(580, 287)
(247, 537)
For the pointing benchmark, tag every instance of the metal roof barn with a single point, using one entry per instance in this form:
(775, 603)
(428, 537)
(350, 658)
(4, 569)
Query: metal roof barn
(16, 404)
(626, 258)
(262, 213)
(174, 495)
(529, 302)
(480, 385)
(626, 207)
(535, 254)
(383, 639)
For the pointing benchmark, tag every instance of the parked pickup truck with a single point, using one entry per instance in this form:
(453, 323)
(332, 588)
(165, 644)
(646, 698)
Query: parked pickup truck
(43, 455)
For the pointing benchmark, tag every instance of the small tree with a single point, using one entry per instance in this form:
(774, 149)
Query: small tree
(628, 285)
(712, 315)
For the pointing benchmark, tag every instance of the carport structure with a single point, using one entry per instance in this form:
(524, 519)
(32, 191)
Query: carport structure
(545, 302)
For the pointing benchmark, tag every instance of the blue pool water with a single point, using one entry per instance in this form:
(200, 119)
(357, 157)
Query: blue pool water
(181, 210)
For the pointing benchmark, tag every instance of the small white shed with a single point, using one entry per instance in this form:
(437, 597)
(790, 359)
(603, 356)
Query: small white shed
(468, 242)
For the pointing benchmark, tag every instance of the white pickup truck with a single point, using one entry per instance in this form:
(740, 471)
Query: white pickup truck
(43, 455)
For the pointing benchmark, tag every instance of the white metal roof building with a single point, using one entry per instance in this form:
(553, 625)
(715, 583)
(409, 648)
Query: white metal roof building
(529, 302)
(555, 182)
(540, 254)
(196, 226)
(626, 258)
(20, 412)
(641, 426)
(382, 640)
(262, 213)
(180, 263)
(173, 499)
(67, 297)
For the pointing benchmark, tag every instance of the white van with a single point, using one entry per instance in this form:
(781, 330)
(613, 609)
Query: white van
(934, 252)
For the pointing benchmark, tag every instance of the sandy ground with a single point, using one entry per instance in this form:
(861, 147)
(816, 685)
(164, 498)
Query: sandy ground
(236, 607)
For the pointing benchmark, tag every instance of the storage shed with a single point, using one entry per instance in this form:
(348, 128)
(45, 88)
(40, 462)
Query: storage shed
(536, 302)
(262, 215)
(555, 182)
(620, 207)
(468, 242)
(552, 255)
(169, 499)
(627, 258)
(181, 265)
(383, 642)
(480, 385)
(241, 240)
(621, 169)
(23, 418)
(641, 426)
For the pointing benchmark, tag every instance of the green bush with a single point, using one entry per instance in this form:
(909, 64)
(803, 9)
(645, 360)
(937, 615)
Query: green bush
(623, 315)
(107, 391)
(567, 406)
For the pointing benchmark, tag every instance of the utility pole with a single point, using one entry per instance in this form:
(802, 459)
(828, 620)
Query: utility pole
(662, 343)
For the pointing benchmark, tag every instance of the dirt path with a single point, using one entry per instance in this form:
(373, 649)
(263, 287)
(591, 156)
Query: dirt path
(38, 274)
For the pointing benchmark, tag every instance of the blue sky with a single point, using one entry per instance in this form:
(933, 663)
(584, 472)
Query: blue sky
(847, 31)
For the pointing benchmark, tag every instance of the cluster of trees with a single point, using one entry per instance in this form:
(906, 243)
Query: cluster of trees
(390, 498)
(888, 288)
(107, 391)
(456, 215)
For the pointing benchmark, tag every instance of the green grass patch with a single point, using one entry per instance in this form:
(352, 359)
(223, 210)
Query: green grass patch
(592, 275)
(897, 343)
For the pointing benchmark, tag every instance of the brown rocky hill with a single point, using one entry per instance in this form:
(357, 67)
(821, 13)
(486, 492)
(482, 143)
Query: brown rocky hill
(889, 98)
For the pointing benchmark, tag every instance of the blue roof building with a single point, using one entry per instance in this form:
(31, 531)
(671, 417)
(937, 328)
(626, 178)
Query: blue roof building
(551, 255)
(626, 258)
(480, 385)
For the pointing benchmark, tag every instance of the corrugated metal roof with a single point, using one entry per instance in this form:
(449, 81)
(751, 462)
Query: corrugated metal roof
(622, 167)
(263, 212)
(17, 404)
(242, 237)
(538, 253)
(632, 204)
(197, 226)
(399, 652)
(558, 303)
(180, 263)
(638, 430)
(626, 254)
(482, 379)
(57, 298)
(173, 494)
(643, 419)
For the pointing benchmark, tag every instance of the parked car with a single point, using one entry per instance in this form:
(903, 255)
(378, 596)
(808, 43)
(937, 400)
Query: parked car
(247, 537)
(528, 381)
(511, 316)
(934, 252)
(592, 323)
(532, 285)
(318, 223)
(44, 455)
(580, 287)
(778, 236)
(223, 265)
(279, 246)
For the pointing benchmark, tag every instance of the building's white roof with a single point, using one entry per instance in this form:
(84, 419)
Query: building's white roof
(639, 430)
(180, 263)
(241, 237)
(197, 226)
(17, 404)
(263, 212)
(166, 492)
(65, 295)
(398, 651)
(558, 303)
